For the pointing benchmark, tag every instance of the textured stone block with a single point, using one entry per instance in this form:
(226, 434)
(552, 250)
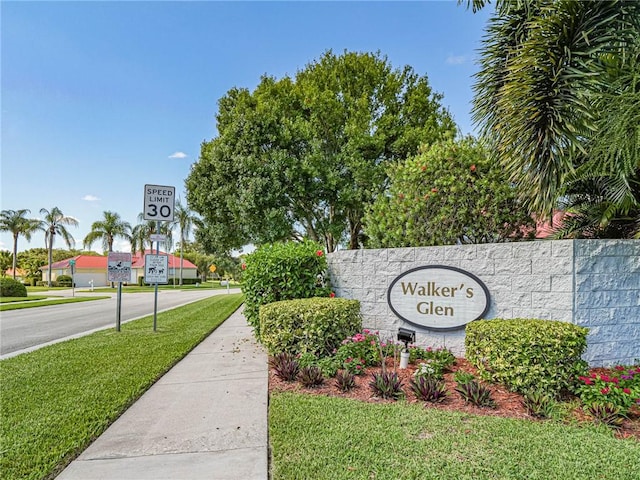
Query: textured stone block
(620, 298)
(535, 250)
(607, 281)
(460, 252)
(610, 265)
(552, 300)
(481, 267)
(541, 313)
(429, 255)
(494, 250)
(497, 282)
(401, 254)
(507, 299)
(562, 283)
(552, 266)
(588, 248)
(531, 283)
(519, 266)
(616, 332)
(562, 248)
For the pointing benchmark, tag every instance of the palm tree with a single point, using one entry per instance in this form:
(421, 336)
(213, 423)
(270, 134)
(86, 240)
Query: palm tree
(107, 230)
(141, 234)
(139, 238)
(541, 95)
(16, 222)
(183, 219)
(55, 223)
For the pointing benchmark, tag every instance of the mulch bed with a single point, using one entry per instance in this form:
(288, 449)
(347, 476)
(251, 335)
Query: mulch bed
(509, 404)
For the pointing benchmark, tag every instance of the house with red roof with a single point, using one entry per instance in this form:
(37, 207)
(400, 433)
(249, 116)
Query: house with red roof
(91, 270)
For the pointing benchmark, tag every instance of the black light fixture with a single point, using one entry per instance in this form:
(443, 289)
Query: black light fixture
(405, 335)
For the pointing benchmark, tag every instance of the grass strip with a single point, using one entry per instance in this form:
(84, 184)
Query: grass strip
(22, 299)
(329, 438)
(55, 401)
(46, 303)
(46, 289)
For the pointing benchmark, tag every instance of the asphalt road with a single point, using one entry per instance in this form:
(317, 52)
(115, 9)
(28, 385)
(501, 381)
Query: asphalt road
(31, 328)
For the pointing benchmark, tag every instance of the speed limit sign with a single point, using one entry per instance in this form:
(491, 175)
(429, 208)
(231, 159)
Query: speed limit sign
(159, 202)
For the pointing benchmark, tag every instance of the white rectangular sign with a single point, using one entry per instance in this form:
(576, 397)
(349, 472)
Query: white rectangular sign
(159, 202)
(156, 269)
(119, 267)
(158, 237)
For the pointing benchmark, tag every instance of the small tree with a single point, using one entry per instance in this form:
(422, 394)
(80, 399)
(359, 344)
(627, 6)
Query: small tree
(184, 219)
(450, 193)
(6, 261)
(283, 271)
(16, 222)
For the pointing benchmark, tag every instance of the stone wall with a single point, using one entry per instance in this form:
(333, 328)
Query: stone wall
(592, 283)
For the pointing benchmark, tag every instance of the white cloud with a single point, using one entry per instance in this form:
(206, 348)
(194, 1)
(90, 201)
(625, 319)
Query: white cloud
(178, 155)
(456, 59)
(90, 198)
(120, 245)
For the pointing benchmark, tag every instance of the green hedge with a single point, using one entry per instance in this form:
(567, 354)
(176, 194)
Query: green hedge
(12, 288)
(64, 281)
(527, 354)
(311, 325)
(283, 271)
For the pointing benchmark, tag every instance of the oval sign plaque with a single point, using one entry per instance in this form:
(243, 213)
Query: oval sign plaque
(438, 297)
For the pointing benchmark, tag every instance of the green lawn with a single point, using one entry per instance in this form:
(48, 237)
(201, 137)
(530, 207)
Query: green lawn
(45, 289)
(317, 437)
(56, 400)
(22, 299)
(51, 301)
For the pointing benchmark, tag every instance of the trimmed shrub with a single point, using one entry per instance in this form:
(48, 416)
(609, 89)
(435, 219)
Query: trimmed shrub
(527, 354)
(64, 281)
(312, 325)
(12, 288)
(283, 271)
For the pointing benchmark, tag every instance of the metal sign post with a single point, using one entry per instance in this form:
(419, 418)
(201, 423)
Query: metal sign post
(159, 205)
(155, 295)
(119, 307)
(156, 271)
(118, 270)
(72, 265)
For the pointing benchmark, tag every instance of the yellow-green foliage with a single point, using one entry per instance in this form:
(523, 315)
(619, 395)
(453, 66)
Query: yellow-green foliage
(314, 325)
(527, 354)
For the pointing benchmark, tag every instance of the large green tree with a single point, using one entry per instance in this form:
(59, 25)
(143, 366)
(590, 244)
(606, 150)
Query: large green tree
(450, 193)
(107, 230)
(303, 156)
(16, 222)
(56, 223)
(557, 99)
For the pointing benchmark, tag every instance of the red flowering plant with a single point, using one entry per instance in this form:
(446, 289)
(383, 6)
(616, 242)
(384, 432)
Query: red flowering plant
(435, 360)
(355, 366)
(363, 347)
(619, 386)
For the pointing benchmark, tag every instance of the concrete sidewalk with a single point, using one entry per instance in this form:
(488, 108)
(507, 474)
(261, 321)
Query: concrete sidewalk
(205, 419)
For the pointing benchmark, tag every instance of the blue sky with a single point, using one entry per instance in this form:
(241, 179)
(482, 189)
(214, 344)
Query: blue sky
(100, 98)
